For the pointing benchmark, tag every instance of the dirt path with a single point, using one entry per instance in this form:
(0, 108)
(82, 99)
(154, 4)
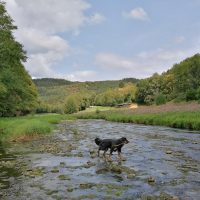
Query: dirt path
(169, 107)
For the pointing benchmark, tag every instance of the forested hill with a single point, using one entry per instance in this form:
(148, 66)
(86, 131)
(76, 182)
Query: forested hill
(49, 82)
(180, 83)
(49, 87)
(53, 93)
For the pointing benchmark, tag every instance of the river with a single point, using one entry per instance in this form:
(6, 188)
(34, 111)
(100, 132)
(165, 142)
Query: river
(161, 163)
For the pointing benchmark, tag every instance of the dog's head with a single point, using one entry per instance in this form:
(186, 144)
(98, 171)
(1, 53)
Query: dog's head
(124, 140)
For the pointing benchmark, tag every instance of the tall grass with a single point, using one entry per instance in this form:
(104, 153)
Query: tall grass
(184, 120)
(18, 128)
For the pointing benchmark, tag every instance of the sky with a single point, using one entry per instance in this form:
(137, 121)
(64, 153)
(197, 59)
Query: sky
(90, 40)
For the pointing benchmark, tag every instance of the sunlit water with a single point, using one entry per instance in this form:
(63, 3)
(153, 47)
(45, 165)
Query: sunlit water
(57, 167)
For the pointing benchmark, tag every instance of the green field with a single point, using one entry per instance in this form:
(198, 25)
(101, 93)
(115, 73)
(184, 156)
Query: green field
(25, 128)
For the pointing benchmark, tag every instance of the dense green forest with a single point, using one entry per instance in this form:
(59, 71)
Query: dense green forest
(180, 83)
(18, 94)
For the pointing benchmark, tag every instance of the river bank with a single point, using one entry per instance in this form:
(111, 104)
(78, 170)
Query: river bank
(175, 115)
(184, 116)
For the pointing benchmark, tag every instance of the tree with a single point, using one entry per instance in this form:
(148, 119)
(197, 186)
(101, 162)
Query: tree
(121, 84)
(71, 106)
(180, 83)
(18, 94)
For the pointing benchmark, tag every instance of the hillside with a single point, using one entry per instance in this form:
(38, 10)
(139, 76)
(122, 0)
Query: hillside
(53, 93)
(49, 82)
(180, 83)
(56, 90)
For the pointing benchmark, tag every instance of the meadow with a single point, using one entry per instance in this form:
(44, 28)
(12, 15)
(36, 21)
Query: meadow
(28, 127)
(179, 119)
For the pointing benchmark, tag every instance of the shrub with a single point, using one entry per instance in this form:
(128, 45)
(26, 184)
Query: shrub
(58, 110)
(160, 99)
(198, 94)
(97, 111)
(191, 95)
(180, 98)
(71, 106)
(42, 108)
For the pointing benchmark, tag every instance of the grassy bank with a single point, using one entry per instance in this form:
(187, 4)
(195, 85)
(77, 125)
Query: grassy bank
(184, 120)
(25, 128)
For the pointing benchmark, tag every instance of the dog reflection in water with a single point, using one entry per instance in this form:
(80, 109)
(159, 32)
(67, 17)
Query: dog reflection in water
(112, 144)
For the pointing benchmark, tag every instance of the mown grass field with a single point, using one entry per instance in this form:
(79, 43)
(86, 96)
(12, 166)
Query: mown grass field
(28, 127)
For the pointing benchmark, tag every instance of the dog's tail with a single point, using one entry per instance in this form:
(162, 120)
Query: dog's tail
(97, 141)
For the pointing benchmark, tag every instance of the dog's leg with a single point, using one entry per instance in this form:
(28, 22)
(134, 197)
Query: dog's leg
(104, 153)
(98, 153)
(121, 158)
(120, 154)
(110, 159)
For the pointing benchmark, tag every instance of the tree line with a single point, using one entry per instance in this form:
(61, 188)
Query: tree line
(180, 83)
(18, 94)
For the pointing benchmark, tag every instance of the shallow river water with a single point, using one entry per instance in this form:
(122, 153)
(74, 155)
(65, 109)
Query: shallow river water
(161, 163)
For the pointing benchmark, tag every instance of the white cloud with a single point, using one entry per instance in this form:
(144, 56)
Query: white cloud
(39, 24)
(137, 14)
(88, 75)
(96, 18)
(50, 16)
(42, 64)
(36, 41)
(112, 61)
(145, 63)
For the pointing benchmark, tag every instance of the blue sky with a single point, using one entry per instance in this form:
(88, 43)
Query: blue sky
(89, 40)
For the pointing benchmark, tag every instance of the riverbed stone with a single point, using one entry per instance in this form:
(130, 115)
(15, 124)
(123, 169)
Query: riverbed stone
(64, 177)
(169, 152)
(50, 192)
(115, 169)
(102, 171)
(86, 185)
(151, 180)
(131, 176)
(55, 170)
(70, 189)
